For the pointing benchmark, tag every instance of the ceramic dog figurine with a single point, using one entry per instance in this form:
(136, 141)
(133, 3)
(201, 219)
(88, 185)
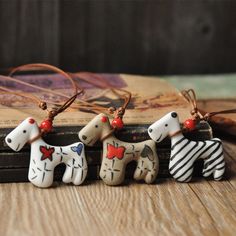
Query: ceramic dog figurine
(44, 157)
(117, 154)
(185, 152)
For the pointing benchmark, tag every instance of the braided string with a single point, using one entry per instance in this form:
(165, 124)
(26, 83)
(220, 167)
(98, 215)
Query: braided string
(42, 104)
(102, 83)
(190, 96)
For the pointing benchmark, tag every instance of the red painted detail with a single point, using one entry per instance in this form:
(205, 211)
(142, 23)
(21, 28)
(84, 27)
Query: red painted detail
(47, 153)
(46, 125)
(190, 124)
(31, 121)
(117, 123)
(104, 119)
(113, 152)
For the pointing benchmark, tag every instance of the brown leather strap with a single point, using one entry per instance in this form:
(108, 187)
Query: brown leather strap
(107, 135)
(39, 135)
(175, 133)
(35, 138)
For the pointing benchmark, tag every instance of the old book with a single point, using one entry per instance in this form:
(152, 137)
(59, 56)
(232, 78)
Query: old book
(152, 98)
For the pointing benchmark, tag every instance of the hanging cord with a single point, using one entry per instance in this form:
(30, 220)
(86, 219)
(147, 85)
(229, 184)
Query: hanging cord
(190, 96)
(41, 103)
(101, 83)
(208, 115)
(125, 95)
(79, 104)
(43, 66)
(46, 125)
(55, 111)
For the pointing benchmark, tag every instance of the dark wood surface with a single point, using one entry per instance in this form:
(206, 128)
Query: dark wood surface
(29, 32)
(131, 36)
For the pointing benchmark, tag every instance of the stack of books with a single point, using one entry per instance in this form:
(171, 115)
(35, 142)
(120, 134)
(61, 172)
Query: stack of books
(152, 98)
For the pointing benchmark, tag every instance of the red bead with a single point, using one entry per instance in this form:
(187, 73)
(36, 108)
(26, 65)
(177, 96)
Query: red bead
(31, 121)
(117, 123)
(104, 119)
(46, 125)
(190, 124)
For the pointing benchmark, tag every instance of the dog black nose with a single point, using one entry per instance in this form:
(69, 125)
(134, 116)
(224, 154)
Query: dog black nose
(9, 140)
(84, 137)
(150, 130)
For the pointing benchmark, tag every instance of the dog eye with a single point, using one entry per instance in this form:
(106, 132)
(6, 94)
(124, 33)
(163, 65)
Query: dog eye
(96, 126)
(24, 131)
(166, 125)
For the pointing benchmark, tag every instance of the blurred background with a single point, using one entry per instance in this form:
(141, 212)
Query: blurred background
(140, 37)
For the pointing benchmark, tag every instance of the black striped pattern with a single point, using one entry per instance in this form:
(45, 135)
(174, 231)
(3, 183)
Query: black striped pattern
(185, 152)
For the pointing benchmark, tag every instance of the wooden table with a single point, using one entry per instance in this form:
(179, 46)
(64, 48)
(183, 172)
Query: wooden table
(165, 208)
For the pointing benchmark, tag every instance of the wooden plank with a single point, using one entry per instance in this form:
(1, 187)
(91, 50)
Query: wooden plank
(29, 32)
(141, 36)
(167, 208)
(230, 154)
(148, 37)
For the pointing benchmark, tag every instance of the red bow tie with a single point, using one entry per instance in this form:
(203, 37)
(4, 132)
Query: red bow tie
(113, 152)
(47, 153)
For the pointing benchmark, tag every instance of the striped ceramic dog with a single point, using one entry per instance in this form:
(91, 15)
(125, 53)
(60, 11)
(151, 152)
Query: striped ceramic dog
(185, 152)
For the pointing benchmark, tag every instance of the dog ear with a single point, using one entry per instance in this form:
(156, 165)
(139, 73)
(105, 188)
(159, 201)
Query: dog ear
(104, 119)
(31, 121)
(174, 114)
